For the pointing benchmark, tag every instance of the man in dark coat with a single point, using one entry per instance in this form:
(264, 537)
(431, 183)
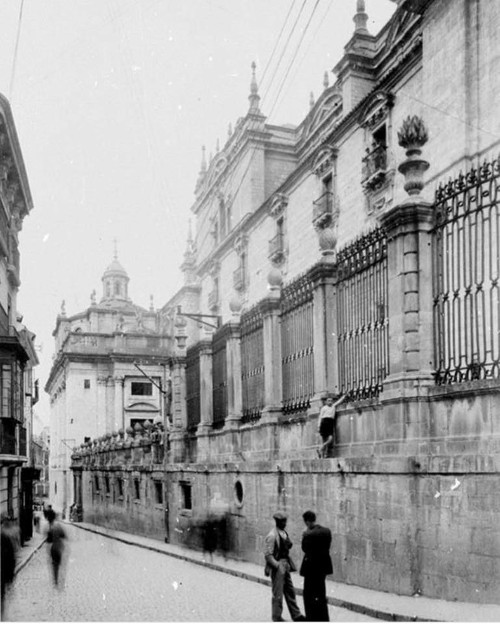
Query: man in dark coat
(279, 564)
(316, 565)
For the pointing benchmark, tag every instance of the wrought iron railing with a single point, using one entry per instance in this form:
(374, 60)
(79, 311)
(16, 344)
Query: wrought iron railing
(213, 299)
(362, 316)
(297, 345)
(277, 247)
(252, 364)
(239, 278)
(323, 206)
(466, 265)
(193, 386)
(375, 161)
(219, 378)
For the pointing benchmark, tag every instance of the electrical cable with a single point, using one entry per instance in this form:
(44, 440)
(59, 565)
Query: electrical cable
(16, 49)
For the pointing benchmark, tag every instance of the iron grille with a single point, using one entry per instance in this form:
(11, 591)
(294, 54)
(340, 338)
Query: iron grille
(252, 364)
(219, 378)
(22, 441)
(193, 386)
(362, 320)
(466, 270)
(297, 345)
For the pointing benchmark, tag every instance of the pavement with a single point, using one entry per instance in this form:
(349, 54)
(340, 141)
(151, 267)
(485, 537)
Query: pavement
(377, 604)
(26, 552)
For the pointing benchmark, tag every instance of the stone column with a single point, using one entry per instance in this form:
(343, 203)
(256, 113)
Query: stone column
(270, 308)
(234, 390)
(408, 226)
(206, 388)
(323, 276)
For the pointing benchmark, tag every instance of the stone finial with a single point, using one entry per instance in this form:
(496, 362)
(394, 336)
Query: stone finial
(254, 97)
(412, 136)
(413, 133)
(326, 81)
(311, 100)
(235, 306)
(274, 278)
(63, 308)
(361, 18)
(151, 304)
(93, 298)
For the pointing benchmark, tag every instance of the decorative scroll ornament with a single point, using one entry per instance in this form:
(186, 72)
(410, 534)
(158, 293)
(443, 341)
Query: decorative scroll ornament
(278, 205)
(324, 159)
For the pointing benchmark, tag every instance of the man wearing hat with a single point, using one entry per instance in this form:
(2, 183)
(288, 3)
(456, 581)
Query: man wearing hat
(279, 564)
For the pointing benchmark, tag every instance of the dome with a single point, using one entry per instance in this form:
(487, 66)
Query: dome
(116, 269)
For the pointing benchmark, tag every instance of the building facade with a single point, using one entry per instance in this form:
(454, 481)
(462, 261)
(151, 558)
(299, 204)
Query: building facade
(18, 390)
(110, 373)
(357, 254)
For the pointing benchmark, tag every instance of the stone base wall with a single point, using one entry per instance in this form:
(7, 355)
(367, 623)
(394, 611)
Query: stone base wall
(412, 494)
(395, 527)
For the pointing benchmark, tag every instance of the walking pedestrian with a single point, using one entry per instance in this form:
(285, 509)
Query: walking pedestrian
(279, 564)
(55, 538)
(316, 565)
(326, 424)
(9, 545)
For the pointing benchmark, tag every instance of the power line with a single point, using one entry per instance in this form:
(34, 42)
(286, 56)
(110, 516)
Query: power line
(14, 60)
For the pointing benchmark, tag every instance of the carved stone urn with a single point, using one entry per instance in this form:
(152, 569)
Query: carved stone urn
(412, 136)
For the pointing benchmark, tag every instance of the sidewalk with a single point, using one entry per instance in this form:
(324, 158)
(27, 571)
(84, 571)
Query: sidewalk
(25, 553)
(376, 604)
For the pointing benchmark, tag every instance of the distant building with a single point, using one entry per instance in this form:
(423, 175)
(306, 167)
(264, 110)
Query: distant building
(109, 373)
(18, 389)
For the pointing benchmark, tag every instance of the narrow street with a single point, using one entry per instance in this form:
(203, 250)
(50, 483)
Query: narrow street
(106, 580)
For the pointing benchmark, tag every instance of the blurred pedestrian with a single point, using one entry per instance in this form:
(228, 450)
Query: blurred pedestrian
(316, 565)
(279, 564)
(55, 538)
(10, 546)
(209, 535)
(326, 425)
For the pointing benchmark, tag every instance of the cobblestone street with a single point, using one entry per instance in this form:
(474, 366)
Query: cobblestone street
(106, 580)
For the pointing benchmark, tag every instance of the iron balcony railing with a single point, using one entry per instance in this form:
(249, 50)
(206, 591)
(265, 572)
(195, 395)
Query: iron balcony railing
(277, 247)
(213, 299)
(323, 207)
(22, 442)
(374, 165)
(239, 278)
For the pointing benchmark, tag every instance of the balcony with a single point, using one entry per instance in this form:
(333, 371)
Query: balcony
(213, 299)
(374, 168)
(22, 441)
(239, 279)
(8, 443)
(277, 249)
(323, 210)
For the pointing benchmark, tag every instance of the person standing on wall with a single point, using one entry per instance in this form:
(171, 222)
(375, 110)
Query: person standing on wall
(316, 565)
(279, 564)
(326, 424)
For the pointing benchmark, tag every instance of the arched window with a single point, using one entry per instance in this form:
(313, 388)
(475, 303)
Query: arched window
(108, 289)
(117, 288)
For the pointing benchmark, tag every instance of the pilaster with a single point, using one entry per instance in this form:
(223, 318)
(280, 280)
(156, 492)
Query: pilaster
(206, 388)
(324, 277)
(119, 415)
(234, 389)
(270, 308)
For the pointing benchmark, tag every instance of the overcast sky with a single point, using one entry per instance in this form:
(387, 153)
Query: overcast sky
(112, 101)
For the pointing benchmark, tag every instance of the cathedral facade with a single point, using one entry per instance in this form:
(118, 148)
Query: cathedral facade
(356, 254)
